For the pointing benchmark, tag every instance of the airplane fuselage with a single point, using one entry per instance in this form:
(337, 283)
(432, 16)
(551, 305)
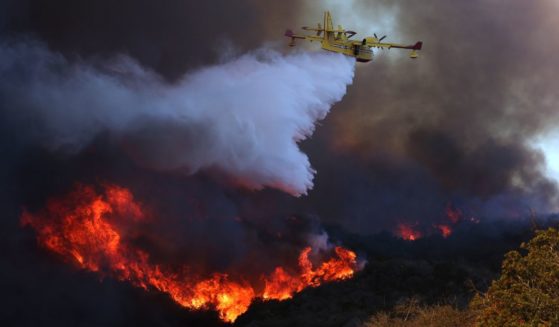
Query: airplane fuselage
(340, 41)
(362, 53)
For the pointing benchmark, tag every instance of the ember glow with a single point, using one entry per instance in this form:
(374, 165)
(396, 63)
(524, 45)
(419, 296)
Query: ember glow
(408, 233)
(454, 215)
(86, 229)
(445, 230)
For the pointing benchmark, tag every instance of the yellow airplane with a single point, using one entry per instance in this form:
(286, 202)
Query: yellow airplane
(339, 40)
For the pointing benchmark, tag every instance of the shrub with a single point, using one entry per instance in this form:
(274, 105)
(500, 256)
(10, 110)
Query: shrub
(527, 292)
(411, 314)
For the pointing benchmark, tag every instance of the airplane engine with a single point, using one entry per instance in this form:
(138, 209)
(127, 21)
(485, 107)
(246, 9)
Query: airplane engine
(356, 50)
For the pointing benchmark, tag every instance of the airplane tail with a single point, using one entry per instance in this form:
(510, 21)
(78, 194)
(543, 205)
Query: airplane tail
(289, 33)
(418, 46)
(328, 26)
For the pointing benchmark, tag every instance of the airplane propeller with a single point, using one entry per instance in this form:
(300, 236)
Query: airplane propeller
(376, 37)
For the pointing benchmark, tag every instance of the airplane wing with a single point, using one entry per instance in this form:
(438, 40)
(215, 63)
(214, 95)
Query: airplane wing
(414, 47)
(289, 33)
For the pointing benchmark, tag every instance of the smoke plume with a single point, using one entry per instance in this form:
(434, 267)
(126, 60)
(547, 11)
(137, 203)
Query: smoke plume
(453, 126)
(243, 118)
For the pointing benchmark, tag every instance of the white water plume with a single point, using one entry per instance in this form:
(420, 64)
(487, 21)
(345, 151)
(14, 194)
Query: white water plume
(243, 118)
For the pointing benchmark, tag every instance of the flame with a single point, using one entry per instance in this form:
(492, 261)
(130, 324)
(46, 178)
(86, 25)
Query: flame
(406, 232)
(282, 285)
(445, 230)
(453, 214)
(84, 229)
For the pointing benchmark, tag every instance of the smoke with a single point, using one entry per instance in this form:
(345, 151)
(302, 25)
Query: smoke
(456, 125)
(171, 38)
(243, 118)
(483, 88)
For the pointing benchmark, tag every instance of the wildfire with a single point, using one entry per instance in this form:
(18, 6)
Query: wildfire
(453, 214)
(406, 232)
(84, 229)
(281, 285)
(445, 230)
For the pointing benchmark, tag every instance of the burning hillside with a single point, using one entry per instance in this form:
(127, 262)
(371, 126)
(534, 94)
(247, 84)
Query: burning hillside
(453, 217)
(238, 168)
(96, 232)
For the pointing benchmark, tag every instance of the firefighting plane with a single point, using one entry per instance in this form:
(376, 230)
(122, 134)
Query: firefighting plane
(339, 40)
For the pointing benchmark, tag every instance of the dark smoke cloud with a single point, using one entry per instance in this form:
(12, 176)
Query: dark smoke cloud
(455, 125)
(169, 37)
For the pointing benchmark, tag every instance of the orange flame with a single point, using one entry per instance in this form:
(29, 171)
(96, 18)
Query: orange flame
(406, 232)
(83, 228)
(281, 285)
